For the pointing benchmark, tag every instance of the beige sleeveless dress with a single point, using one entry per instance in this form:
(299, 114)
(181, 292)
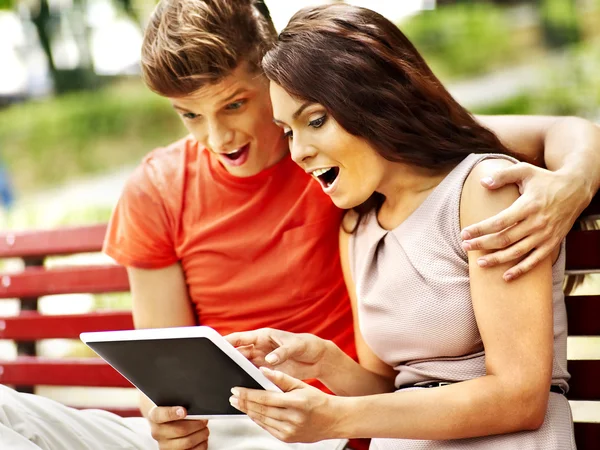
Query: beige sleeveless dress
(416, 314)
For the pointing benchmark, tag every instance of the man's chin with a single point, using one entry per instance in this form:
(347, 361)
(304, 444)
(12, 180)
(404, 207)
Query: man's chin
(245, 171)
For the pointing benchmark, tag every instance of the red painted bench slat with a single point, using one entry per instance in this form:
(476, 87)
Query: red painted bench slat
(31, 371)
(584, 383)
(583, 250)
(37, 281)
(583, 314)
(63, 241)
(33, 326)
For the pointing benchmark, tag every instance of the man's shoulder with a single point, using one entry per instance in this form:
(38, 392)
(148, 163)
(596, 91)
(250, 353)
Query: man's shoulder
(166, 165)
(173, 155)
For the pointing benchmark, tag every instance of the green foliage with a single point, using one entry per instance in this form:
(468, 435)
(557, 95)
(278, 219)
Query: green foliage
(560, 22)
(463, 39)
(47, 142)
(569, 86)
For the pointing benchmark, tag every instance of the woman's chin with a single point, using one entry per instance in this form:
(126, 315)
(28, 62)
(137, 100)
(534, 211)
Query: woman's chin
(343, 203)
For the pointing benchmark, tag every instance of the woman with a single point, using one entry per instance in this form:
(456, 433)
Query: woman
(478, 362)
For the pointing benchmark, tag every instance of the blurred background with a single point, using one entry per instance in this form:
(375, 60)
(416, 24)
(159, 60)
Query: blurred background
(74, 113)
(75, 117)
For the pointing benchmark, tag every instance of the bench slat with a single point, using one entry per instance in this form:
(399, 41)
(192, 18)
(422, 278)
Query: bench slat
(61, 241)
(584, 380)
(587, 436)
(37, 281)
(32, 326)
(31, 371)
(583, 314)
(583, 250)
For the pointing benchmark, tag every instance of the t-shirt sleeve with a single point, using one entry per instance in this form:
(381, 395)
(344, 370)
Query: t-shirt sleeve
(140, 232)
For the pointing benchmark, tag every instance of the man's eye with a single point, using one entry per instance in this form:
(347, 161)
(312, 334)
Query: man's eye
(317, 123)
(189, 116)
(235, 105)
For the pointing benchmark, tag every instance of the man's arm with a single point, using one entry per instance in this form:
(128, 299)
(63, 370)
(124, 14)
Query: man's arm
(568, 144)
(160, 299)
(551, 199)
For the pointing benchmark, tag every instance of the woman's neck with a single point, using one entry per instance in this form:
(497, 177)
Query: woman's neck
(405, 188)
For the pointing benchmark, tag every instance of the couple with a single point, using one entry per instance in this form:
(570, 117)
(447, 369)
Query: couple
(223, 229)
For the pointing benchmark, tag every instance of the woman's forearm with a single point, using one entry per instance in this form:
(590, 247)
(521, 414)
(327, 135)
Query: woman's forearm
(478, 407)
(345, 377)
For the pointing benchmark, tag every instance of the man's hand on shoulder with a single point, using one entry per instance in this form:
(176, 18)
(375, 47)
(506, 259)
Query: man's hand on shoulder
(535, 224)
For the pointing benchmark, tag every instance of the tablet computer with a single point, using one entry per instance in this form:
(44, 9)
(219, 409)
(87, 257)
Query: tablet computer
(193, 367)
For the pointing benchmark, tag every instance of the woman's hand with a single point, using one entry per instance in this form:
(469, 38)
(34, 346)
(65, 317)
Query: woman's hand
(535, 224)
(299, 355)
(301, 413)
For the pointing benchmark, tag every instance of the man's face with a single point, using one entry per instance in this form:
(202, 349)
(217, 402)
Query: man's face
(233, 119)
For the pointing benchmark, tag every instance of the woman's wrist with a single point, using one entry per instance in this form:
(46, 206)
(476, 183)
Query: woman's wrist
(343, 410)
(331, 362)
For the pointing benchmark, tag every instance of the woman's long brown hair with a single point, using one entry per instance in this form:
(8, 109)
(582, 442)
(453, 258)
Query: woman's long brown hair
(372, 80)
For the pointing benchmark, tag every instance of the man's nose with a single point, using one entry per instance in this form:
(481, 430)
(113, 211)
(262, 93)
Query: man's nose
(219, 137)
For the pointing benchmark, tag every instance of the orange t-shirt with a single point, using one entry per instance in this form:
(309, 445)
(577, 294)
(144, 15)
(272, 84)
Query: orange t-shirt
(256, 252)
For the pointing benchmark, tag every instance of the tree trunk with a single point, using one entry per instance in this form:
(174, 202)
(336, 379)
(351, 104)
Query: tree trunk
(41, 20)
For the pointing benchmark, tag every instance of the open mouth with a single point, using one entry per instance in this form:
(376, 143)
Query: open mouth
(236, 154)
(326, 176)
(236, 157)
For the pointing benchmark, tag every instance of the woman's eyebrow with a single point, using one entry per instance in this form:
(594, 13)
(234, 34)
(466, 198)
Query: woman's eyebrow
(301, 109)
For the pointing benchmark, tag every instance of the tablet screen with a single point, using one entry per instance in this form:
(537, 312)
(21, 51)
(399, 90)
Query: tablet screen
(190, 372)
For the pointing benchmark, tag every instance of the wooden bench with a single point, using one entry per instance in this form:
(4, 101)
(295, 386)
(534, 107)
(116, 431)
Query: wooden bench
(583, 311)
(34, 281)
(30, 326)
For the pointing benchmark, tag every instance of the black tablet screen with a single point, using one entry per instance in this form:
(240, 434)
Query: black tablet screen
(189, 372)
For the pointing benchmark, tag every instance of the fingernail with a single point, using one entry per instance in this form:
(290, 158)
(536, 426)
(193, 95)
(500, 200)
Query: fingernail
(508, 277)
(466, 246)
(272, 358)
(180, 412)
(235, 392)
(489, 181)
(234, 402)
(465, 235)
(482, 262)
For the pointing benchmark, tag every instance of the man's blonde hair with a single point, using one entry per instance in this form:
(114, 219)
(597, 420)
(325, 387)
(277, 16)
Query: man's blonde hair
(191, 43)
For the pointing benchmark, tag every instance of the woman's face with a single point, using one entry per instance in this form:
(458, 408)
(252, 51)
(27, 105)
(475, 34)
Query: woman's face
(347, 167)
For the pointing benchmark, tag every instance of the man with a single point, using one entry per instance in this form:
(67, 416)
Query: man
(222, 228)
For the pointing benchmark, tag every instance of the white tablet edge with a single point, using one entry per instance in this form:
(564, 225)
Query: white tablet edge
(186, 332)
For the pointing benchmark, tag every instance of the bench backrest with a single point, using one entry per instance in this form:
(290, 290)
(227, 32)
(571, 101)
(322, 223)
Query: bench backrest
(583, 257)
(30, 326)
(583, 311)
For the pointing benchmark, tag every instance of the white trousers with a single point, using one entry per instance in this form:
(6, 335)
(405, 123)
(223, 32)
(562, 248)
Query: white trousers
(32, 422)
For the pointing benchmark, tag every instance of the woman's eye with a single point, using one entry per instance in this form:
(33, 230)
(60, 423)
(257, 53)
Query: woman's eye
(235, 105)
(189, 116)
(288, 134)
(317, 123)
